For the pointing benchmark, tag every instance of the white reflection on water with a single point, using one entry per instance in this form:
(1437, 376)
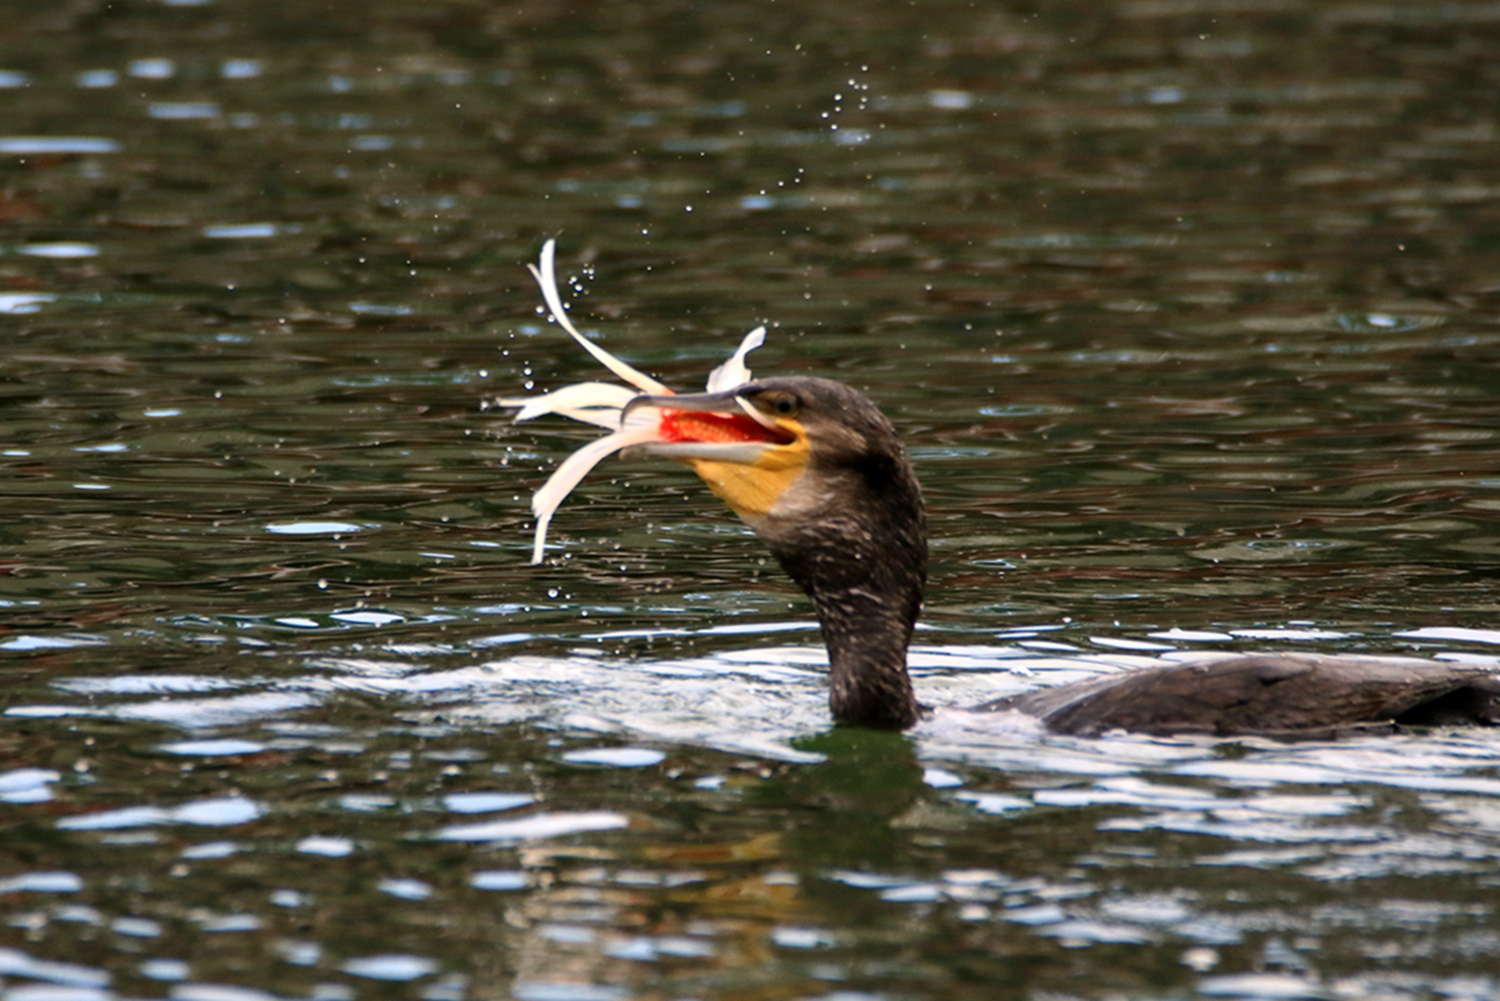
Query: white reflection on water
(761, 701)
(220, 811)
(541, 825)
(391, 966)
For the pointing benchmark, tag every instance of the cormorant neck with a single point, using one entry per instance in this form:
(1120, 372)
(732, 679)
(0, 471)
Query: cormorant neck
(867, 636)
(857, 544)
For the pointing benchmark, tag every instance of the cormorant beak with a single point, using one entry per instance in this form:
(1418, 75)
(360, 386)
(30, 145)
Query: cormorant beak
(748, 458)
(721, 427)
(724, 402)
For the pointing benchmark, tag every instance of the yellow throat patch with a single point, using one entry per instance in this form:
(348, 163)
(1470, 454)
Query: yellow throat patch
(751, 491)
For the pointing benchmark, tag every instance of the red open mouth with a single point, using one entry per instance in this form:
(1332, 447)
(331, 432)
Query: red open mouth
(701, 426)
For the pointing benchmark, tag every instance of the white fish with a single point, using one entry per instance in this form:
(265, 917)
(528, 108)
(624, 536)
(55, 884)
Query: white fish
(602, 403)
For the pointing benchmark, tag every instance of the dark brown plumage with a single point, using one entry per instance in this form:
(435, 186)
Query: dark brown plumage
(1282, 695)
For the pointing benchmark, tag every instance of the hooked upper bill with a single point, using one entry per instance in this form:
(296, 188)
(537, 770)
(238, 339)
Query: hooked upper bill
(652, 424)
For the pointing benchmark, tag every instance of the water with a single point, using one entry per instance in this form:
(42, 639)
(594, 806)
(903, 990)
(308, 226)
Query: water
(1184, 310)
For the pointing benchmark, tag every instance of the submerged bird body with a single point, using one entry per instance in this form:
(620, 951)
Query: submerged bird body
(1278, 695)
(819, 473)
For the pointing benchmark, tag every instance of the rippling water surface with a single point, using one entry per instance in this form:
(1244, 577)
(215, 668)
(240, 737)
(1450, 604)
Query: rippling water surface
(1187, 314)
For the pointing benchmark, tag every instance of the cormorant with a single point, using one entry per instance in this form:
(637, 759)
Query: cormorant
(831, 493)
(819, 473)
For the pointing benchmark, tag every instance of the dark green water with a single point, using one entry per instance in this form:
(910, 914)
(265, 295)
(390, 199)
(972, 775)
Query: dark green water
(1187, 312)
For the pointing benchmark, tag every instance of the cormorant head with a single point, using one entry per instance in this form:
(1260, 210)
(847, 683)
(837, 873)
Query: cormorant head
(768, 448)
(814, 467)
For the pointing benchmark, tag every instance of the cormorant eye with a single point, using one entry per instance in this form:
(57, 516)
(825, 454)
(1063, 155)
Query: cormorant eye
(780, 404)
